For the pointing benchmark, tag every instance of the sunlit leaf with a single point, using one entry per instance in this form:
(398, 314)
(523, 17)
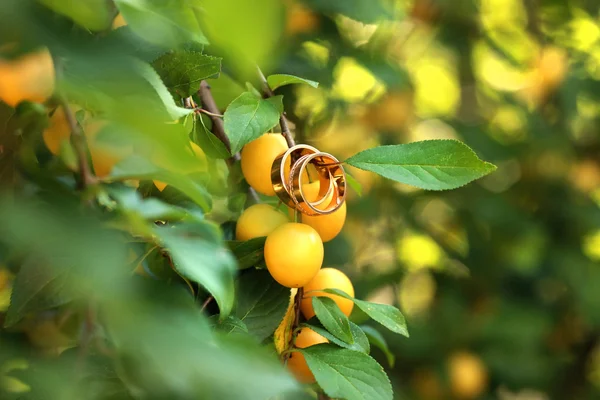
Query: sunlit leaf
(347, 374)
(248, 117)
(332, 318)
(430, 164)
(377, 340)
(279, 80)
(182, 71)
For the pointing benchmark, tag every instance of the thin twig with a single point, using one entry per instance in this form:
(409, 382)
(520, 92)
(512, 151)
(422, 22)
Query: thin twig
(209, 104)
(210, 114)
(87, 335)
(267, 92)
(206, 303)
(78, 140)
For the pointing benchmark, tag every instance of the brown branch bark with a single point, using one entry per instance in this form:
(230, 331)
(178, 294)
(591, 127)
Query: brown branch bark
(218, 128)
(87, 178)
(267, 92)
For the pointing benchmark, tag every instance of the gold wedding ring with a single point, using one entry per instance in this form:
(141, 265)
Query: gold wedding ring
(289, 168)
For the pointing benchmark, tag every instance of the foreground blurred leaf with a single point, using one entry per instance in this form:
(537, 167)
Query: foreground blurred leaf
(377, 339)
(170, 23)
(202, 260)
(38, 287)
(332, 318)
(359, 342)
(166, 350)
(367, 11)
(249, 253)
(94, 15)
(261, 303)
(248, 117)
(233, 28)
(386, 315)
(279, 80)
(182, 71)
(430, 164)
(139, 168)
(347, 374)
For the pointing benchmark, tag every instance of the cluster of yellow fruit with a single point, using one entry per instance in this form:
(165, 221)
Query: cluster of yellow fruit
(293, 250)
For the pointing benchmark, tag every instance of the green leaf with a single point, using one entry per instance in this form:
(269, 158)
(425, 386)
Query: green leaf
(278, 80)
(152, 209)
(208, 142)
(94, 15)
(37, 287)
(135, 167)
(386, 315)
(248, 117)
(430, 164)
(182, 71)
(169, 23)
(175, 112)
(360, 341)
(367, 11)
(332, 318)
(201, 260)
(261, 303)
(354, 184)
(231, 26)
(347, 374)
(376, 339)
(248, 253)
(231, 324)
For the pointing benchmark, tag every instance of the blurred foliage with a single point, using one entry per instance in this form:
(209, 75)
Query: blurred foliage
(498, 280)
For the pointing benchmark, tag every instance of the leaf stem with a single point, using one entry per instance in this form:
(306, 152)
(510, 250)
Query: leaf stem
(267, 92)
(208, 300)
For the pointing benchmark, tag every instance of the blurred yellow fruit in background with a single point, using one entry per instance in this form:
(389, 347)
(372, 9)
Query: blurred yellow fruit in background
(468, 375)
(29, 77)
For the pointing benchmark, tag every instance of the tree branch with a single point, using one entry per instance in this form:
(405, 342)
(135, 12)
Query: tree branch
(267, 92)
(87, 178)
(218, 128)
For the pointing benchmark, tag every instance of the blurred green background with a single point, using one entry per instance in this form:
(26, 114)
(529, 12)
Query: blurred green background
(499, 280)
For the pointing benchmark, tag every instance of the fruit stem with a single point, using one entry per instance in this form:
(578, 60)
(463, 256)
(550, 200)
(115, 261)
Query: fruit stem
(267, 92)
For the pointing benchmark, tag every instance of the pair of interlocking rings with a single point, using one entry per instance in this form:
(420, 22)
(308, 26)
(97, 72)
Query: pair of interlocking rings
(287, 176)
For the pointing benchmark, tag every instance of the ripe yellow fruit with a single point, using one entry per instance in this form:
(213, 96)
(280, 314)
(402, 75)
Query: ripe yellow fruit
(258, 220)
(104, 155)
(257, 159)
(293, 254)
(119, 21)
(327, 278)
(196, 167)
(328, 226)
(468, 375)
(29, 77)
(58, 131)
(297, 363)
(300, 19)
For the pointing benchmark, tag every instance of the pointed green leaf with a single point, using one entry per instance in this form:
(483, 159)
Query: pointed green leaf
(376, 339)
(279, 80)
(208, 142)
(347, 374)
(360, 340)
(248, 117)
(182, 71)
(261, 303)
(249, 253)
(386, 315)
(430, 164)
(332, 318)
(354, 184)
(201, 260)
